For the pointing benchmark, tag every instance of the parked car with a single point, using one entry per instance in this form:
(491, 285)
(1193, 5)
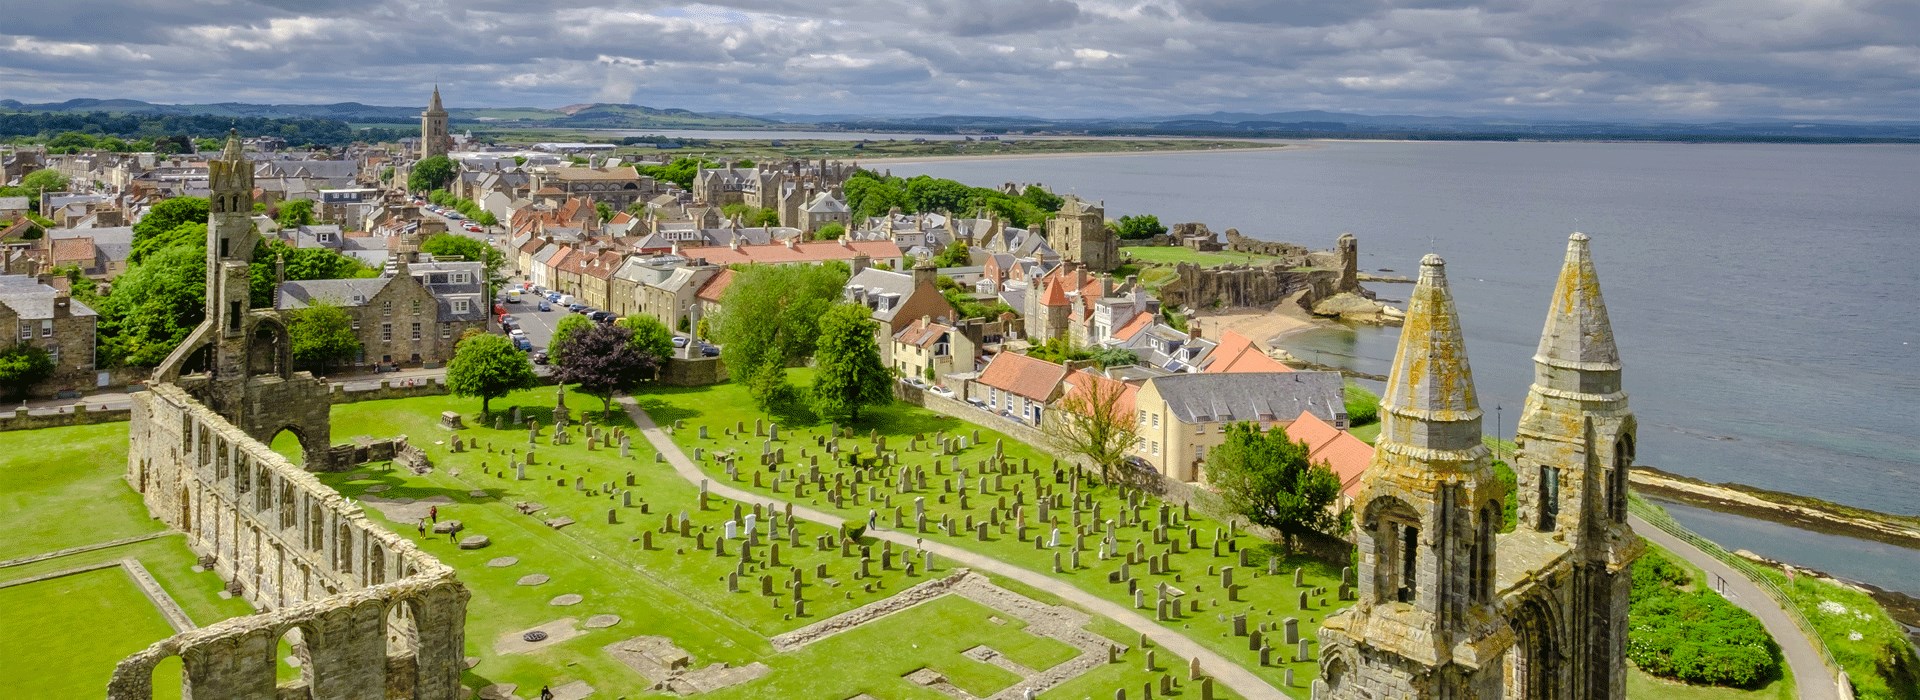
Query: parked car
(554, 297)
(576, 307)
(544, 306)
(509, 318)
(521, 343)
(540, 358)
(709, 351)
(680, 341)
(601, 316)
(509, 326)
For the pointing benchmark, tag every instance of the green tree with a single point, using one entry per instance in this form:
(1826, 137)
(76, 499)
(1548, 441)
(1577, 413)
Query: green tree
(1040, 198)
(295, 213)
(1267, 478)
(1060, 349)
(565, 329)
(431, 174)
(21, 367)
(650, 337)
(43, 180)
(1139, 227)
(322, 334)
(445, 245)
(604, 210)
(153, 306)
(770, 315)
(302, 264)
(849, 373)
(828, 232)
(602, 361)
(160, 221)
(680, 172)
(489, 367)
(956, 254)
(1115, 357)
(1095, 419)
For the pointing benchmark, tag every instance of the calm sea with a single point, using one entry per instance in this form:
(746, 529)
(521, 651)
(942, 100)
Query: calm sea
(1762, 295)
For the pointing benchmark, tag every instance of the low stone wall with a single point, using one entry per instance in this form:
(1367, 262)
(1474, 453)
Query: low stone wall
(967, 412)
(1242, 244)
(390, 389)
(699, 371)
(22, 419)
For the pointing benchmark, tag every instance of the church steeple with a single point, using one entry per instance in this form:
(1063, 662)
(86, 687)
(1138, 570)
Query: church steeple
(1578, 335)
(434, 106)
(434, 139)
(1429, 409)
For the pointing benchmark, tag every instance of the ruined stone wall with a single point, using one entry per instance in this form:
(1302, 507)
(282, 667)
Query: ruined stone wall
(1198, 287)
(1242, 244)
(375, 616)
(23, 419)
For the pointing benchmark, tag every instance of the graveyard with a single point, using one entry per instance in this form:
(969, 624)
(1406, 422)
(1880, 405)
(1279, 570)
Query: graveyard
(939, 478)
(638, 585)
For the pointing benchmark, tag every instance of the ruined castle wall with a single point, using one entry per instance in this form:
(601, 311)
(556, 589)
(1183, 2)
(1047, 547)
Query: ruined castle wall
(1242, 244)
(1226, 286)
(374, 613)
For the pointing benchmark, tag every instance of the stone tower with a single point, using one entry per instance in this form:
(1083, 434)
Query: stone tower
(1348, 249)
(1576, 442)
(434, 140)
(1424, 625)
(239, 361)
(1080, 235)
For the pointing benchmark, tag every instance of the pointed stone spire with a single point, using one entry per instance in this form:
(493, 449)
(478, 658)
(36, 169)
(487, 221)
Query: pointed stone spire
(434, 106)
(233, 151)
(1429, 404)
(1578, 335)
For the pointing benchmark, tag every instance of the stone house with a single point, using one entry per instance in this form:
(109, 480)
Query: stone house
(413, 315)
(617, 187)
(1080, 233)
(1084, 306)
(671, 301)
(707, 299)
(1182, 416)
(34, 313)
(924, 346)
(822, 210)
(624, 288)
(1018, 386)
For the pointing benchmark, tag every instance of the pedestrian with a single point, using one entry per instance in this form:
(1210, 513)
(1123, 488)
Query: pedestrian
(423, 529)
(545, 694)
(434, 513)
(873, 519)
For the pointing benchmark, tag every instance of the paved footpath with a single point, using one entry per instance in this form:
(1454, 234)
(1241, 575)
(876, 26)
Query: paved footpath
(1813, 679)
(1224, 672)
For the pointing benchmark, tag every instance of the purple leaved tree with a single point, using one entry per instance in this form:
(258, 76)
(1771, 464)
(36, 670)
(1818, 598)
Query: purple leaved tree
(602, 362)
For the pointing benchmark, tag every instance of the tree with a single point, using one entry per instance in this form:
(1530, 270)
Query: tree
(41, 181)
(849, 373)
(1267, 478)
(770, 315)
(830, 231)
(650, 337)
(601, 360)
(153, 306)
(21, 367)
(431, 174)
(565, 329)
(302, 264)
(295, 213)
(1115, 357)
(444, 245)
(1095, 419)
(1139, 227)
(1039, 197)
(489, 367)
(322, 334)
(956, 254)
(604, 210)
(163, 218)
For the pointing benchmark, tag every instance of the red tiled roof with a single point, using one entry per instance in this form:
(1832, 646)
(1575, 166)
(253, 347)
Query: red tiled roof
(1238, 353)
(1018, 374)
(921, 333)
(1346, 455)
(68, 250)
(1133, 327)
(1083, 381)
(715, 287)
(808, 252)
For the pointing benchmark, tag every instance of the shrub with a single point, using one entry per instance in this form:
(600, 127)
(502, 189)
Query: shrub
(1694, 636)
(1363, 406)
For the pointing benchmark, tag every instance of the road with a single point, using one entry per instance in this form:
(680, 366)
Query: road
(1812, 678)
(1225, 672)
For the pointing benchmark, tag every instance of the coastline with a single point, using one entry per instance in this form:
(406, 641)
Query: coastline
(1793, 510)
(910, 160)
(1266, 326)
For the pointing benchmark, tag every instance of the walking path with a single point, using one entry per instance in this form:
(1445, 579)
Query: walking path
(1227, 673)
(1813, 679)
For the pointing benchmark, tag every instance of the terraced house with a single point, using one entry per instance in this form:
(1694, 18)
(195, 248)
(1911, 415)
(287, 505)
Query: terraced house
(34, 313)
(412, 316)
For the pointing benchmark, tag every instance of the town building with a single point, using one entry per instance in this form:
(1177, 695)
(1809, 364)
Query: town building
(1181, 417)
(1018, 386)
(1080, 233)
(434, 140)
(413, 315)
(35, 313)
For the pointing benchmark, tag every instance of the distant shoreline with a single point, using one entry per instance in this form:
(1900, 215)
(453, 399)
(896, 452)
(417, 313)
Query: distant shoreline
(910, 160)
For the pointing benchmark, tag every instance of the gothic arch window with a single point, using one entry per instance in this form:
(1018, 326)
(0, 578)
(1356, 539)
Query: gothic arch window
(1622, 464)
(1481, 578)
(1549, 498)
(1394, 528)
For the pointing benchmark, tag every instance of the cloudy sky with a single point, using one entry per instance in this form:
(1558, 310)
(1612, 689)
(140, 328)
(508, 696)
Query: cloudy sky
(1642, 59)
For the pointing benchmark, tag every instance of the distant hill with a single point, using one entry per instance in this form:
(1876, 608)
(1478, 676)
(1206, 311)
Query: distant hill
(597, 116)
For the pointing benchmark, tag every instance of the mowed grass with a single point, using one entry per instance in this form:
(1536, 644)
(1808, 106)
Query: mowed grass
(63, 636)
(676, 589)
(1267, 599)
(1643, 686)
(1168, 255)
(62, 488)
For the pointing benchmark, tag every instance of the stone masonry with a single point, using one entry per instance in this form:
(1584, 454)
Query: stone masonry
(1447, 607)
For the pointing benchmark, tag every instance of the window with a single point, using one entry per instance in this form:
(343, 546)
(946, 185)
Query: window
(1409, 566)
(416, 331)
(1200, 453)
(446, 332)
(356, 325)
(1156, 420)
(460, 278)
(416, 307)
(53, 352)
(386, 332)
(386, 308)
(1549, 497)
(1156, 448)
(46, 328)
(26, 330)
(460, 306)
(1143, 417)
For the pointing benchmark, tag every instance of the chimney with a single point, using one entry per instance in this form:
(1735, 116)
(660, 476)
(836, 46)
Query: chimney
(1193, 329)
(924, 273)
(279, 276)
(861, 262)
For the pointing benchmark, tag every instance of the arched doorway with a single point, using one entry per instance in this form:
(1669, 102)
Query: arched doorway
(268, 352)
(1533, 664)
(169, 678)
(293, 665)
(403, 648)
(291, 444)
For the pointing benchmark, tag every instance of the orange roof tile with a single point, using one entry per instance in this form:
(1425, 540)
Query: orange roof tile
(1346, 455)
(1022, 375)
(1132, 328)
(808, 252)
(1083, 381)
(1238, 353)
(714, 288)
(68, 250)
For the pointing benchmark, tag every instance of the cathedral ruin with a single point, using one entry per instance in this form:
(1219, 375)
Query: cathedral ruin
(365, 612)
(1449, 607)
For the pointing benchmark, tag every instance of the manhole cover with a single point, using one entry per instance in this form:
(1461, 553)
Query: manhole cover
(534, 636)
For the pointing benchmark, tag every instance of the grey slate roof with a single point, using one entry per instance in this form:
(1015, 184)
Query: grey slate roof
(875, 285)
(346, 292)
(1253, 396)
(113, 242)
(30, 299)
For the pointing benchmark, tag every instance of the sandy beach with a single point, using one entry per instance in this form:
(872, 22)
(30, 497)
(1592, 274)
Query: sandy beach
(1265, 326)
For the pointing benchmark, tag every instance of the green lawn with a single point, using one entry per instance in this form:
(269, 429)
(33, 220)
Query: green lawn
(1868, 644)
(1168, 255)
(63, 487)
(1642, 686)
(63, 636)
(660, 591)
(1262, 598)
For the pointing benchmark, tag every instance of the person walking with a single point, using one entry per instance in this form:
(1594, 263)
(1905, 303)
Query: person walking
(423, 529)
(434, 513)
